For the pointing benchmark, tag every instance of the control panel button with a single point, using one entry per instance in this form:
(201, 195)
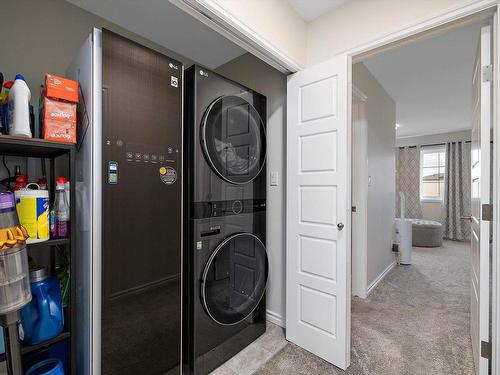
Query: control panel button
(237, 207)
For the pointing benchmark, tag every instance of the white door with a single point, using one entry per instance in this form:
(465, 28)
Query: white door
(481, 200)
(318, 263)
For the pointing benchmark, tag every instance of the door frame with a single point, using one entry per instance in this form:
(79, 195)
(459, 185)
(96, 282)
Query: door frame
(426, 27)
(432, 26)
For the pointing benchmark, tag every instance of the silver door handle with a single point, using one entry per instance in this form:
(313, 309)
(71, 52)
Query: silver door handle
(466, 218)
(340, 226)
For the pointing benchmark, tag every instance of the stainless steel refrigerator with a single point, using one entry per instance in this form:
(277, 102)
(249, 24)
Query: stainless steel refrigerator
(129, 195)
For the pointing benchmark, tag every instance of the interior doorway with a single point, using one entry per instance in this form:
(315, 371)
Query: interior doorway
(417, 264)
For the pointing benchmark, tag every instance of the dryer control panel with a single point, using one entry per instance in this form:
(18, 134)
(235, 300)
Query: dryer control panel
(201, 210)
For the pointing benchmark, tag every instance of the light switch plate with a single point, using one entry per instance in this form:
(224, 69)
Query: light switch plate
(274, 178)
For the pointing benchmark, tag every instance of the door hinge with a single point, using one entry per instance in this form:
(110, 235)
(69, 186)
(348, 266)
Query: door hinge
(487, 73)
(487, 212)
(353, 209)
(485, 349)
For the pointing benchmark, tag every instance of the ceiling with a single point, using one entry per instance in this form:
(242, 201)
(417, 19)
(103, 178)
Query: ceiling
(311, 9)
(430, 81)
(165, 24)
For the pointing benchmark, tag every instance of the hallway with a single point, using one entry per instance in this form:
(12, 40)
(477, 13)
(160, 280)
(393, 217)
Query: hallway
(415, 322)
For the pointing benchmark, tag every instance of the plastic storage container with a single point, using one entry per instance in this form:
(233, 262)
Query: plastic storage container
(14, 282)
(33, 210)
(8, 214)
(42, 319)
(47, 367)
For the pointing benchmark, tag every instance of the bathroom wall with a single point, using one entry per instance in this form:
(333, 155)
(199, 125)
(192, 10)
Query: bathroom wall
(253, 73)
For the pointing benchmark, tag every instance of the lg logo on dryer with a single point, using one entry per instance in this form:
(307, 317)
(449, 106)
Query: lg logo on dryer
(203, 73)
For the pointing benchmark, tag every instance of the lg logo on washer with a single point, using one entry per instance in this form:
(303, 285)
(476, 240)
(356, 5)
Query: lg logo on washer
(203, 73)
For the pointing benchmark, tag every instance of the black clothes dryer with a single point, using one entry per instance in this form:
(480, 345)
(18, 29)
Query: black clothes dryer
(225, 259)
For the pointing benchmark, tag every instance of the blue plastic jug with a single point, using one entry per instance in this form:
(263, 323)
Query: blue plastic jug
(47, 367)
(2, 342)
(42, 319)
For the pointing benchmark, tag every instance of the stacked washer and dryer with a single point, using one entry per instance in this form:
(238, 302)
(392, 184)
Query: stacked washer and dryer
(225, 261)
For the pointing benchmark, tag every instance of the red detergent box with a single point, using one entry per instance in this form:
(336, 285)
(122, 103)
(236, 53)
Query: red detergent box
(61, 88)
(58, 120)
(59, 131)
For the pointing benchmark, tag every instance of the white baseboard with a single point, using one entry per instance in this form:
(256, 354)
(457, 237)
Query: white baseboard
(379, 278)
(275, 318)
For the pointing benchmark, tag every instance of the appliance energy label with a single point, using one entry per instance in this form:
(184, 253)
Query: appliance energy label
(168, 175)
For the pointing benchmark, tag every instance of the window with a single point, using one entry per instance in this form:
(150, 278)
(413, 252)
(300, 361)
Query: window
(432, 164)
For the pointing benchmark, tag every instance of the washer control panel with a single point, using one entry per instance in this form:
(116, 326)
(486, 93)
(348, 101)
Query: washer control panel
(202, 210)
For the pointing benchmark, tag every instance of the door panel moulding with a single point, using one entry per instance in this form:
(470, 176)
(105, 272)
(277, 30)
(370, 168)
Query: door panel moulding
(425, 28)
(218, 19)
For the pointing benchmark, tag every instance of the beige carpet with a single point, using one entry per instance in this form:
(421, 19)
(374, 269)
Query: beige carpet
(415, 322)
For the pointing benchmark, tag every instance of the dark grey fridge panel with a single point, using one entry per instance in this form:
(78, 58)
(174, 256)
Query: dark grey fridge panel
(141, 176)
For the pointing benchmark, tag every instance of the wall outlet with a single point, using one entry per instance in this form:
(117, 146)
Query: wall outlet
(274, 178)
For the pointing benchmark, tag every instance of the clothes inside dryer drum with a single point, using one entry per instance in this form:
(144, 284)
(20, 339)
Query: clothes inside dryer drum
(233, 139)
(234, 279)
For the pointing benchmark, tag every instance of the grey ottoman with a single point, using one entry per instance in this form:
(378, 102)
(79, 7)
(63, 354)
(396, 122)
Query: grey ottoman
(427, 233)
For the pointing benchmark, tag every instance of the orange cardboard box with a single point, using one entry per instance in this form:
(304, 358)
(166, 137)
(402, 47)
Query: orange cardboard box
(59, 131)
(61, 88)
(57, 110)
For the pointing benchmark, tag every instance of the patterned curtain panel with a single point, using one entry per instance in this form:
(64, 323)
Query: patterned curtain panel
(457, 193)
(408, 181)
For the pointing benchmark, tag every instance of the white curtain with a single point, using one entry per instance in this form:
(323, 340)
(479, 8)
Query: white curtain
(457, 194)
(408, 181)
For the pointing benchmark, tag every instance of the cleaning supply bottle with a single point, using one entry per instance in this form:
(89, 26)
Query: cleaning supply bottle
(4, 102)
(61, 210)
(42, 319)
(19, 112)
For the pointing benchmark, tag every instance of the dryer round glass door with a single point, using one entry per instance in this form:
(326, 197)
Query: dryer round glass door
(234, 279)
(234, 139)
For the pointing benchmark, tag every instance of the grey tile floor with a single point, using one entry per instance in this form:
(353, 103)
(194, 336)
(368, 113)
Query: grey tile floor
(256, 354)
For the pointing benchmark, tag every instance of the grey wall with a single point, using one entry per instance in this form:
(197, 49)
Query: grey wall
(43, 36)
(380, 115)
(253, 73)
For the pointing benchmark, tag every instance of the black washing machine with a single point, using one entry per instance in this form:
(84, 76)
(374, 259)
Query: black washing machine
(225, 259)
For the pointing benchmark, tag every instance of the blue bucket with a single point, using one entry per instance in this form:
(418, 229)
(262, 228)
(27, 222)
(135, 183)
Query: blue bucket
(47, 367)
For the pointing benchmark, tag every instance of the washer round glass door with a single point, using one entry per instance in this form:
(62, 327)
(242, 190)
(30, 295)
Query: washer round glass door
(233, 139)
(234, 279)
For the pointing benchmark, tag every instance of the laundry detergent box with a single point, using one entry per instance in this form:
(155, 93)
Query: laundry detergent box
(58, 117)
(59, 131)
(61, 88)
(58, 110)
